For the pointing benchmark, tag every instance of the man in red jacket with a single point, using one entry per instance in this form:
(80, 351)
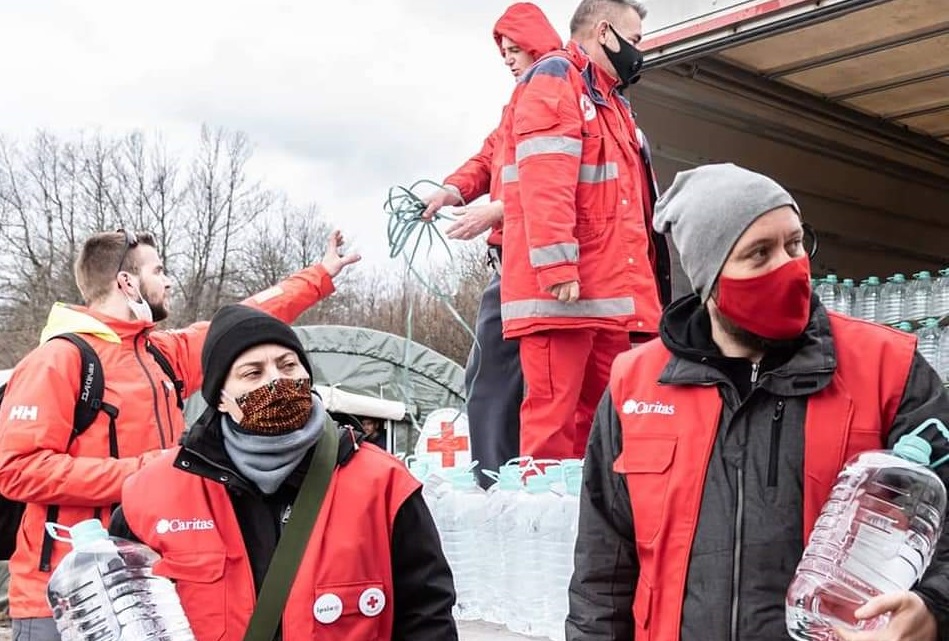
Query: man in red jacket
(122, 279)
(581, 264)
(493, 378)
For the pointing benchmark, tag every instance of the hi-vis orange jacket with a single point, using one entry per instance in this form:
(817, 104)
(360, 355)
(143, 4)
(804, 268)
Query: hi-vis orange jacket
(36, 419)
(527, 26)
(577, 203)
(344, 590)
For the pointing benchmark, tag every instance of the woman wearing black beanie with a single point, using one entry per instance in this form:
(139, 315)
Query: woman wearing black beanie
(372, 566)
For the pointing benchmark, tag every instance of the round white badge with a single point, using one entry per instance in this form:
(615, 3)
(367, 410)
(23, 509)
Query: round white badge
(372, 601)
(587, 107)
(328, 608)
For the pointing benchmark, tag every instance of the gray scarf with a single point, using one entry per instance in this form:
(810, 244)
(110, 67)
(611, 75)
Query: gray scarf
(267, 461)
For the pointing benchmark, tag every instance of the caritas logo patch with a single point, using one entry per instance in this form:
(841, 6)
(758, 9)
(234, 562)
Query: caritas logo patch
(170, 526)
(633, 406)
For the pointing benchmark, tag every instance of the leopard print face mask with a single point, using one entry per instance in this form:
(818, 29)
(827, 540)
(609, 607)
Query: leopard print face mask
(281, 406)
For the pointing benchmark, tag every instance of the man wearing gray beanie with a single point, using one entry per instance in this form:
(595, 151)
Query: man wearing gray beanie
(717, 444)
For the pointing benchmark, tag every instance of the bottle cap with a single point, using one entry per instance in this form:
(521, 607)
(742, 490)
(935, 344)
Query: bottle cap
(913, 448)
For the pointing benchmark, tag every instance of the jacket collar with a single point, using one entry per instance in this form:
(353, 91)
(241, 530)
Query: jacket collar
(202, 452)
(803, 367)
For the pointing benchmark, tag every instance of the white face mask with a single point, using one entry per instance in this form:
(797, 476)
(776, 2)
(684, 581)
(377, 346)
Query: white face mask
(140, 308)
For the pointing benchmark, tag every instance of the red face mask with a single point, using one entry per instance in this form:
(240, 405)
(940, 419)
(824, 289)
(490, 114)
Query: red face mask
(776, 305)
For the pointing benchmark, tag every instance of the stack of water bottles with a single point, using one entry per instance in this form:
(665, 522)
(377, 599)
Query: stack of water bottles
(510, 547)
(104, 590)
(876, 534)
(916, 305)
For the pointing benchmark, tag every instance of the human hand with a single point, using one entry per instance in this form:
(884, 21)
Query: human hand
(476, 220)
(334, 262)
(910, 619)
(566, 292)
(441, 198)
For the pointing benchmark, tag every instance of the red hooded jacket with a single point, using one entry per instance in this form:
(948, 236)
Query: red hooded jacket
(525, 24)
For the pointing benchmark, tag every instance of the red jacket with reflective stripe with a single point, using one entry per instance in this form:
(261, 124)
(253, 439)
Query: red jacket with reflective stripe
(35, 465)
(527, 26)
(577, 204)
(665, 456)
(345, 573)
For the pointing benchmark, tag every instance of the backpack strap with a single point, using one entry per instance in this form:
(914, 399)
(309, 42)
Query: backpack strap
(169, 371)
(88, 405)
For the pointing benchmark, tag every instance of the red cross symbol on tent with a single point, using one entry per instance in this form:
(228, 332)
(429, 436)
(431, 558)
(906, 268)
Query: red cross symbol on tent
(447, 443)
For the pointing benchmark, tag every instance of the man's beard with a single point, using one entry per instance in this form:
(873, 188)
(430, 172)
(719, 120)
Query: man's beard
(749, 340)
(159, 310)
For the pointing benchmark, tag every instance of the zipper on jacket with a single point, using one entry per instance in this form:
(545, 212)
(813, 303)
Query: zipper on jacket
(736, 553)
(151, 382)
(754, 372)
(776, 422)
(171, 421)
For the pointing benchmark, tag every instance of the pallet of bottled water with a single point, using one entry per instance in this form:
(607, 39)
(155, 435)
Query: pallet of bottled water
(510, 547)
(919, 305)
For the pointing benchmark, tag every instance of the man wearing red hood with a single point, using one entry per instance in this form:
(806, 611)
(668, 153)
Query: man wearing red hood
(583, 272)
(493, 377)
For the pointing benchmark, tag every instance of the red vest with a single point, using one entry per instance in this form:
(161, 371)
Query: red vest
(344, 588)
(667, 445)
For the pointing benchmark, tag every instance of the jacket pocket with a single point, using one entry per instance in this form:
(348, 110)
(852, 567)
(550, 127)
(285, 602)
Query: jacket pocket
(646, 462)
(350, 611)
(199, 580)
(642, 608)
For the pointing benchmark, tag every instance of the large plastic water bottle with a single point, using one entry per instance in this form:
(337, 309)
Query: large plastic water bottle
(941, 294)
(919, 297)
(828, 291)
(894, 300)
(927, 341)
(561, 569)
(848, 297)
(876, 534)
(499, 541)
(871, 308)
(943, 360)
(461, 512)
(104, 590)
(535, 519)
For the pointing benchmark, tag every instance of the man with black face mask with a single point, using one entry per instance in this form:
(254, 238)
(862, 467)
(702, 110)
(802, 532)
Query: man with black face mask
(717, 444)
(583, 271)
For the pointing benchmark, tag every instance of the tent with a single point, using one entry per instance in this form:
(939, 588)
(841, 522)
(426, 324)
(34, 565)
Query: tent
(354, 368)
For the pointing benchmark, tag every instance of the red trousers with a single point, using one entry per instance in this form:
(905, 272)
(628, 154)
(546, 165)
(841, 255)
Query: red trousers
(566, 372)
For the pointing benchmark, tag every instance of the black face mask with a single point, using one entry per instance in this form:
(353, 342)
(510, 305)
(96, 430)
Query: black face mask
(628, 61)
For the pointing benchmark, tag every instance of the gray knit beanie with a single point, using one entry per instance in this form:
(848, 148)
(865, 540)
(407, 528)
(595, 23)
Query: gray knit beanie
(707, 209)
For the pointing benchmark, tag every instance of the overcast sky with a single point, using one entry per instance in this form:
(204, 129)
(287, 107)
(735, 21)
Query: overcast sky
(339, 103)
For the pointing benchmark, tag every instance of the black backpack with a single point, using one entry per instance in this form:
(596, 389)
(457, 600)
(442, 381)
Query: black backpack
(88, 405)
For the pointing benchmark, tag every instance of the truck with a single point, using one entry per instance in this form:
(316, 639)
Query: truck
(844, 102)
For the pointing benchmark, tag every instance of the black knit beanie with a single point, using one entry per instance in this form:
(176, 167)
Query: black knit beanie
(233, 330)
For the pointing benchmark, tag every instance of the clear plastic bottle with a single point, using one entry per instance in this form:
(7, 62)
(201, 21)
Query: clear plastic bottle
(104, 590)
(941, 294)
(848, 296)
(530, 607)
(871, 306)
(927, 337)
(827, 292)
(894, 300)
(562, 566)
(919, 297)
(497, 543)
(876, 534)
(461, 511)
(943, 360)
